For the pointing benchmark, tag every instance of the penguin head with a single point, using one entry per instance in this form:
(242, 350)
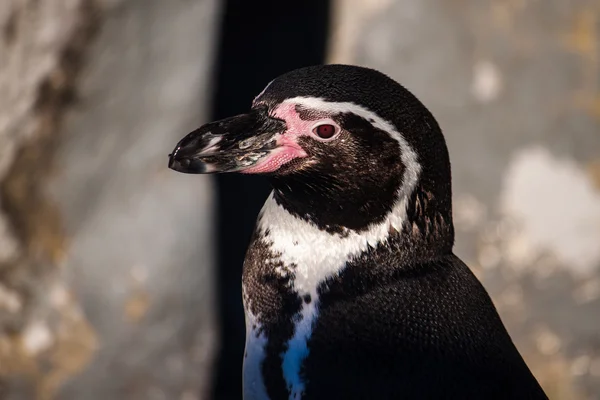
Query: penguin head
(342, 145)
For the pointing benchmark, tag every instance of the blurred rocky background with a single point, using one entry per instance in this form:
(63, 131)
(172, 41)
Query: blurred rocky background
(119, 279)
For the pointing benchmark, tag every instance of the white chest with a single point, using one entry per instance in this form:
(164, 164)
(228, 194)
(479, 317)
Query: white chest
(313, 255)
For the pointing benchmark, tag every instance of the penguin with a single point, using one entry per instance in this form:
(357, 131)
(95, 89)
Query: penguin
(351, 289)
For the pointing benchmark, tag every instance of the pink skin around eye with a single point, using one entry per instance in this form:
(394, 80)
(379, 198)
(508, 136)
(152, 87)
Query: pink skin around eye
(288, 149)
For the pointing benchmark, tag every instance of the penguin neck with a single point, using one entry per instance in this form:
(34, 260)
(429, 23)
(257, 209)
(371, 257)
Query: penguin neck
(417, 227)
(337, 203)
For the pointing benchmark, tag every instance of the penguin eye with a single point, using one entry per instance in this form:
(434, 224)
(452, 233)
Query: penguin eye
(325, 131)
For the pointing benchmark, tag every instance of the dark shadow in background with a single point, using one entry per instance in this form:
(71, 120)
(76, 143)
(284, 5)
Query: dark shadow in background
(259, 40)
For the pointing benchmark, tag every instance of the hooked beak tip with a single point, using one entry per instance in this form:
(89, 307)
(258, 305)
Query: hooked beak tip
(233, 144)
(186, 165)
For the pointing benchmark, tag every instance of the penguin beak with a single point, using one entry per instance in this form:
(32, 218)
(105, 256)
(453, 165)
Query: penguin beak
(235, 144)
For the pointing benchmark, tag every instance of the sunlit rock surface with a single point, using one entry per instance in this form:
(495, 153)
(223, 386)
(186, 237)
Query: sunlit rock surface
(105, 256)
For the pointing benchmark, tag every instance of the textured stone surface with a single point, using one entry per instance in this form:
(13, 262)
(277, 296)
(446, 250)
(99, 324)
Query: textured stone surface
(32, 37)
(514, 85)
(40, 48)
(105, 255)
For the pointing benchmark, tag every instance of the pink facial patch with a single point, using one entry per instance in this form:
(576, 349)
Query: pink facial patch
(288, 148)
(296, 126)
(275, 160)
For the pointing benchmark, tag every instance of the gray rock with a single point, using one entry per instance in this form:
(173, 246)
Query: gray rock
(113, 288)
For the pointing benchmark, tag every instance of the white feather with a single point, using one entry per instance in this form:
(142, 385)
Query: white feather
(253, 385)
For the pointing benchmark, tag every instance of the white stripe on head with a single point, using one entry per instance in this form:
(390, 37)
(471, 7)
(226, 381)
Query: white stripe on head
(318, 254)
(263, 92)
